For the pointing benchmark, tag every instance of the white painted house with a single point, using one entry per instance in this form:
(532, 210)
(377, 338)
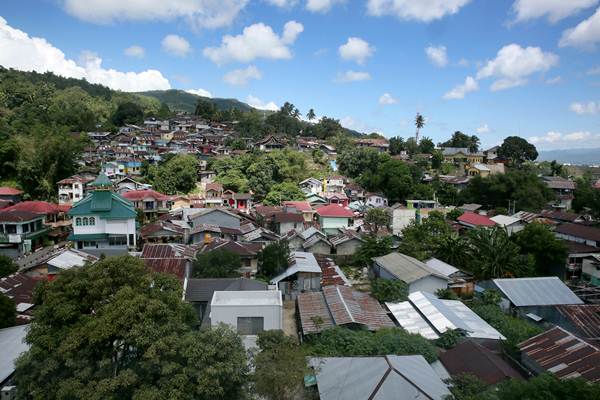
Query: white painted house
(72, 189)
(248, 312)
(103, 222)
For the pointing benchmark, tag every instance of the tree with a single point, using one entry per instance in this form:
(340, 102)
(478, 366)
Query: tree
(128, 113)
(8, 312)
(7, 266)
(280, 367)
(376, 218)
(357, 160)
(538, 241)
(205, 109)
(449, 338)
(372, 247)
(419, 123)
(493, 255)
(548, 387)
(113, 330)
(218, 263)
(422, 239)
(273, 259)
(454, 250)
(426, 145)
(310, 115)
(396, 145)
(453, 214)
(177, 175)
(388, 290)
(437, 158)
(392, 177)
(281, 192)
(459, 139)
(517, 150)
(587, 198)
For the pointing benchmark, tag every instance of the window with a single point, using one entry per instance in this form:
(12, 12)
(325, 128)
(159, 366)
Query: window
(11, 229)
(250, 325)
(78, 221)
(117, 240)
(92, 221)
(85, 221)
(25, 228)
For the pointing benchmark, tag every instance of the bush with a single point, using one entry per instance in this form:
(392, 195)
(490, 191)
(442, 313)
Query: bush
(446, 294)
(387, 290)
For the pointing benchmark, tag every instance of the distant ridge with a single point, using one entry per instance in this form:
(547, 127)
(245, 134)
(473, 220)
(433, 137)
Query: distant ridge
(572, 156)
(180, 100)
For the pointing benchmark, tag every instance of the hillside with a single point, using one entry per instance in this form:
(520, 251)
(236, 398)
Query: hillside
(572, 156)
(179, 100)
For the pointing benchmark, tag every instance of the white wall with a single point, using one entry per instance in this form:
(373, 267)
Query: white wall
(228, 314)
(429, 284)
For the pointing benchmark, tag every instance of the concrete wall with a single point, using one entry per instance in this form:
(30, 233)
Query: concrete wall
(273, 318)
(216, 218)
(429, 284)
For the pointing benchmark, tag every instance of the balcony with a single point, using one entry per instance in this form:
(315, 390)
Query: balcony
(19, 238)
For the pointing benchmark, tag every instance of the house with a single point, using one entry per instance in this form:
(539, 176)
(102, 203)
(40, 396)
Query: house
(579, 233)
(577, 252)
(285, 222)
(415, 210)
(316, 199)
(511, 224)
(270, 143)
(381, 377)
(338, 305)
(127, 184)
(21, 232)
(461, 155)
(213, 194)
(583, 320)
(479, 169)
(459, 282)
(72, 189)
(152, 203)
(303, 274)
(423, 313)
(297, 238)
(206, 177)
(473, 220)
(534, 298)
(13, 344)
(247, 251)
(379, 144)
(165, 232)
(346, 243)
(470, 357)
(247, 312)
(559, 217)
(562, 354)
(103, 222)
(333, 217)
(334, 184)
(311, 186)
(376, 200)
(199, 293)
(317, 244)
(10, 195)
(303, 207)
(336, 198)
(491, 153)
(563, 190)
(590, 270)
(417, 275)
(20, 288)
(354, 192)
(168, 258)
(219, 217)
(62, 260)
(239, 201)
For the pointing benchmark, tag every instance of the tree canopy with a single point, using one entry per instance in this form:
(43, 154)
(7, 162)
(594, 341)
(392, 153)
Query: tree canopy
(219, 263)
(273, 259)
(177, 174)
(112, 330)
(459, 139)
(549, 253)
(7, 266)
(8, 311)
(517, 150)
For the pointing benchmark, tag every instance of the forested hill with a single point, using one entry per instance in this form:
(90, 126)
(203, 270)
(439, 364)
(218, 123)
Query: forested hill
(179, 100)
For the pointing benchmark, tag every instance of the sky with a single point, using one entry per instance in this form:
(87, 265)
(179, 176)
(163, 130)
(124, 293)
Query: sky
(490, 68)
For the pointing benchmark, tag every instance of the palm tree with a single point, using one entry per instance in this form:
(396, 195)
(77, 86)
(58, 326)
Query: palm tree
(419, 123)
(311, 114)
(296, 113)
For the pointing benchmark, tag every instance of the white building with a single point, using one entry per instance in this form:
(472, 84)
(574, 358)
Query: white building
(248, 312)
(72, 189)
(402, 216)
(511, 224)
(103, 222)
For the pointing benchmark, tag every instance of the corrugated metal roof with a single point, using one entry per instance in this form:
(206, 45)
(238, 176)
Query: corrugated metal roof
(505, 220)
(384, 378)
(247, 298)
(540, 291)
(586, 318)
(410, 320)
(441, 267)
(405, 268)
(201, 290)
(12, 343)
(563, 354)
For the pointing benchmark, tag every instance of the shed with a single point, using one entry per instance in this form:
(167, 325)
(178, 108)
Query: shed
(413, 272)
(248, 312)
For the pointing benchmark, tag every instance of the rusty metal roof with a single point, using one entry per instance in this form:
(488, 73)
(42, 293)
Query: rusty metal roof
(563, 354)
(586, 318)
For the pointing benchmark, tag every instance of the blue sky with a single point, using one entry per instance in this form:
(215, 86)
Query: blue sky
(491, 68)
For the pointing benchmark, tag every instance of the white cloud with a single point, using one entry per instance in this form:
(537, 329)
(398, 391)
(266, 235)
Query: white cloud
(585, 35)
(256, 41)
(200, 92)
(240, 77)
(483, 129)
(437, 55)
(590, 107)
(197, 13)
(514, 64)
(353, 76)
(459, 92)
(554, 81)
(419, 10)
(387, 99)
(260, 105)
(321, 6)
(554, 10)
(25, 53)
(593, 71)
(356, 49)
(282, 3)
(135, 51)
(559, 140)
(176, 45)
(358, 125)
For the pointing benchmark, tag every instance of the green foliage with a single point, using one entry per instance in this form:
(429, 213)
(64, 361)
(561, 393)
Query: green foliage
(180, 100)
(546, 249)
(377, 218)
(517, 150)
(446, 294)
(280, 367)
(459, 139)
(449, 339)
(205, 109)
(176, 175)
(273, 259)
(112, 330)
(525, 188)
(396, 145)
(218, 263)
(343, 342)
(357, 160)
(426, 145)
(7, 266)
(372, 247)
(281, 192)
(128, 113)
(394, 178)
(468, 387)
(8, 312)
(453, 215)
(420, 240)
(388, 290)
(587, 197)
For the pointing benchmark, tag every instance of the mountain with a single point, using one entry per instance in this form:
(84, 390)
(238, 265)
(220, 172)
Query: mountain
(572, 156)
(180, 100)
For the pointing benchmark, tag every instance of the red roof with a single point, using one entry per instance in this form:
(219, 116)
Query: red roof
(38, 207)
(472, 218)
(298, 205)
(136, 195)
(8, 191)
(335, 211)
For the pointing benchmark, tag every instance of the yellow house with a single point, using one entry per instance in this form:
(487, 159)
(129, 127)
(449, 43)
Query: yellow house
(457, 155)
